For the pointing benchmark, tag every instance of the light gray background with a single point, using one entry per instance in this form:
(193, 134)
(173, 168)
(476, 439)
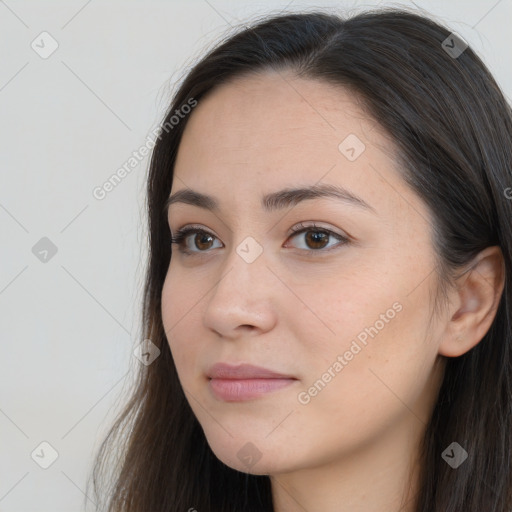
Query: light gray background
(69, 325)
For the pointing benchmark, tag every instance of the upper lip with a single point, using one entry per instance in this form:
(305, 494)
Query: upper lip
(243, 371)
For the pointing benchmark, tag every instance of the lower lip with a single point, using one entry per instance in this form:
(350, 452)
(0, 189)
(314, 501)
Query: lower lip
(237, 390)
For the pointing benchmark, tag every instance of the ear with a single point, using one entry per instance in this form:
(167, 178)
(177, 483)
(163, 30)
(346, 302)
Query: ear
(475, 303)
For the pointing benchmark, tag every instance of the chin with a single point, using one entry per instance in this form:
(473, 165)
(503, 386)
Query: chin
(253, 458)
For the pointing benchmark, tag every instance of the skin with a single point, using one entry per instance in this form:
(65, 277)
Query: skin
(354, 445)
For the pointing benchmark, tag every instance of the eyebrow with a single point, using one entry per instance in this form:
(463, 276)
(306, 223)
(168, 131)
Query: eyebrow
(274, 201)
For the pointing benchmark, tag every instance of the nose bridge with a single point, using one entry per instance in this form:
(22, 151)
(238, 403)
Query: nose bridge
(242, 295)
(245, 265)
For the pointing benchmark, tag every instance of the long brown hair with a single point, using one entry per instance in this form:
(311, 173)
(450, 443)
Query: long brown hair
(453, 131)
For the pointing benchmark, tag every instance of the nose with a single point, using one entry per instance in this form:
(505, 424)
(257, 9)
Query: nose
(243, 300)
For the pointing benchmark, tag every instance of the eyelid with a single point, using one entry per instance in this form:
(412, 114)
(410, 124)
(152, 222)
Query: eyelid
(197, 227)
(301, 226)
(292, 231)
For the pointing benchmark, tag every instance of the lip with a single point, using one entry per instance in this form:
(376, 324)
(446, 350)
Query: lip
(244, 382)
(243, 371)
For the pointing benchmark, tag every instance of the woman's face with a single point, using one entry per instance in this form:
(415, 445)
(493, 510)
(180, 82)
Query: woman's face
(343, 307)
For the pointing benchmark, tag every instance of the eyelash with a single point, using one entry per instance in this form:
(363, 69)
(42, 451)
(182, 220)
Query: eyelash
(182, 234)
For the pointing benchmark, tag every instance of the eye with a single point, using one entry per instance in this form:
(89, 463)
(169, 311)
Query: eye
(316, 238)
(201, 240)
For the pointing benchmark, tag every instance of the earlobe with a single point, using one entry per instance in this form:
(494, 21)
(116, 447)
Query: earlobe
(478, 295)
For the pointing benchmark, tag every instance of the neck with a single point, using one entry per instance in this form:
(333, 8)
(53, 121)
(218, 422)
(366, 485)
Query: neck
(382, 476)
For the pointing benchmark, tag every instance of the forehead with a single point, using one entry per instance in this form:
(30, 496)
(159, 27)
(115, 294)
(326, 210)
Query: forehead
(272, 130)
(278, 112)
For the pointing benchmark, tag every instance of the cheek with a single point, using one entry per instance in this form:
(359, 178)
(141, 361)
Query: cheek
(379, 306)
(180, 297)
(375, 367)
(370, 315)
(180, 310)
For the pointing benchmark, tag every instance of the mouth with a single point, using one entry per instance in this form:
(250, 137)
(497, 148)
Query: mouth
(230, 383)
(238, 390)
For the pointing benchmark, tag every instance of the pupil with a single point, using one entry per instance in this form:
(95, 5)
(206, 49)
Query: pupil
(316, 237)
(200, 237)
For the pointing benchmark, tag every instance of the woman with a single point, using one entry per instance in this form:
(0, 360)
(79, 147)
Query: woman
(329, 279)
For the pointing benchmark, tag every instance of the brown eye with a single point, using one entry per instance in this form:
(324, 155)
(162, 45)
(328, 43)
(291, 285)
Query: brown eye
(202, 241)
(317, 239)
